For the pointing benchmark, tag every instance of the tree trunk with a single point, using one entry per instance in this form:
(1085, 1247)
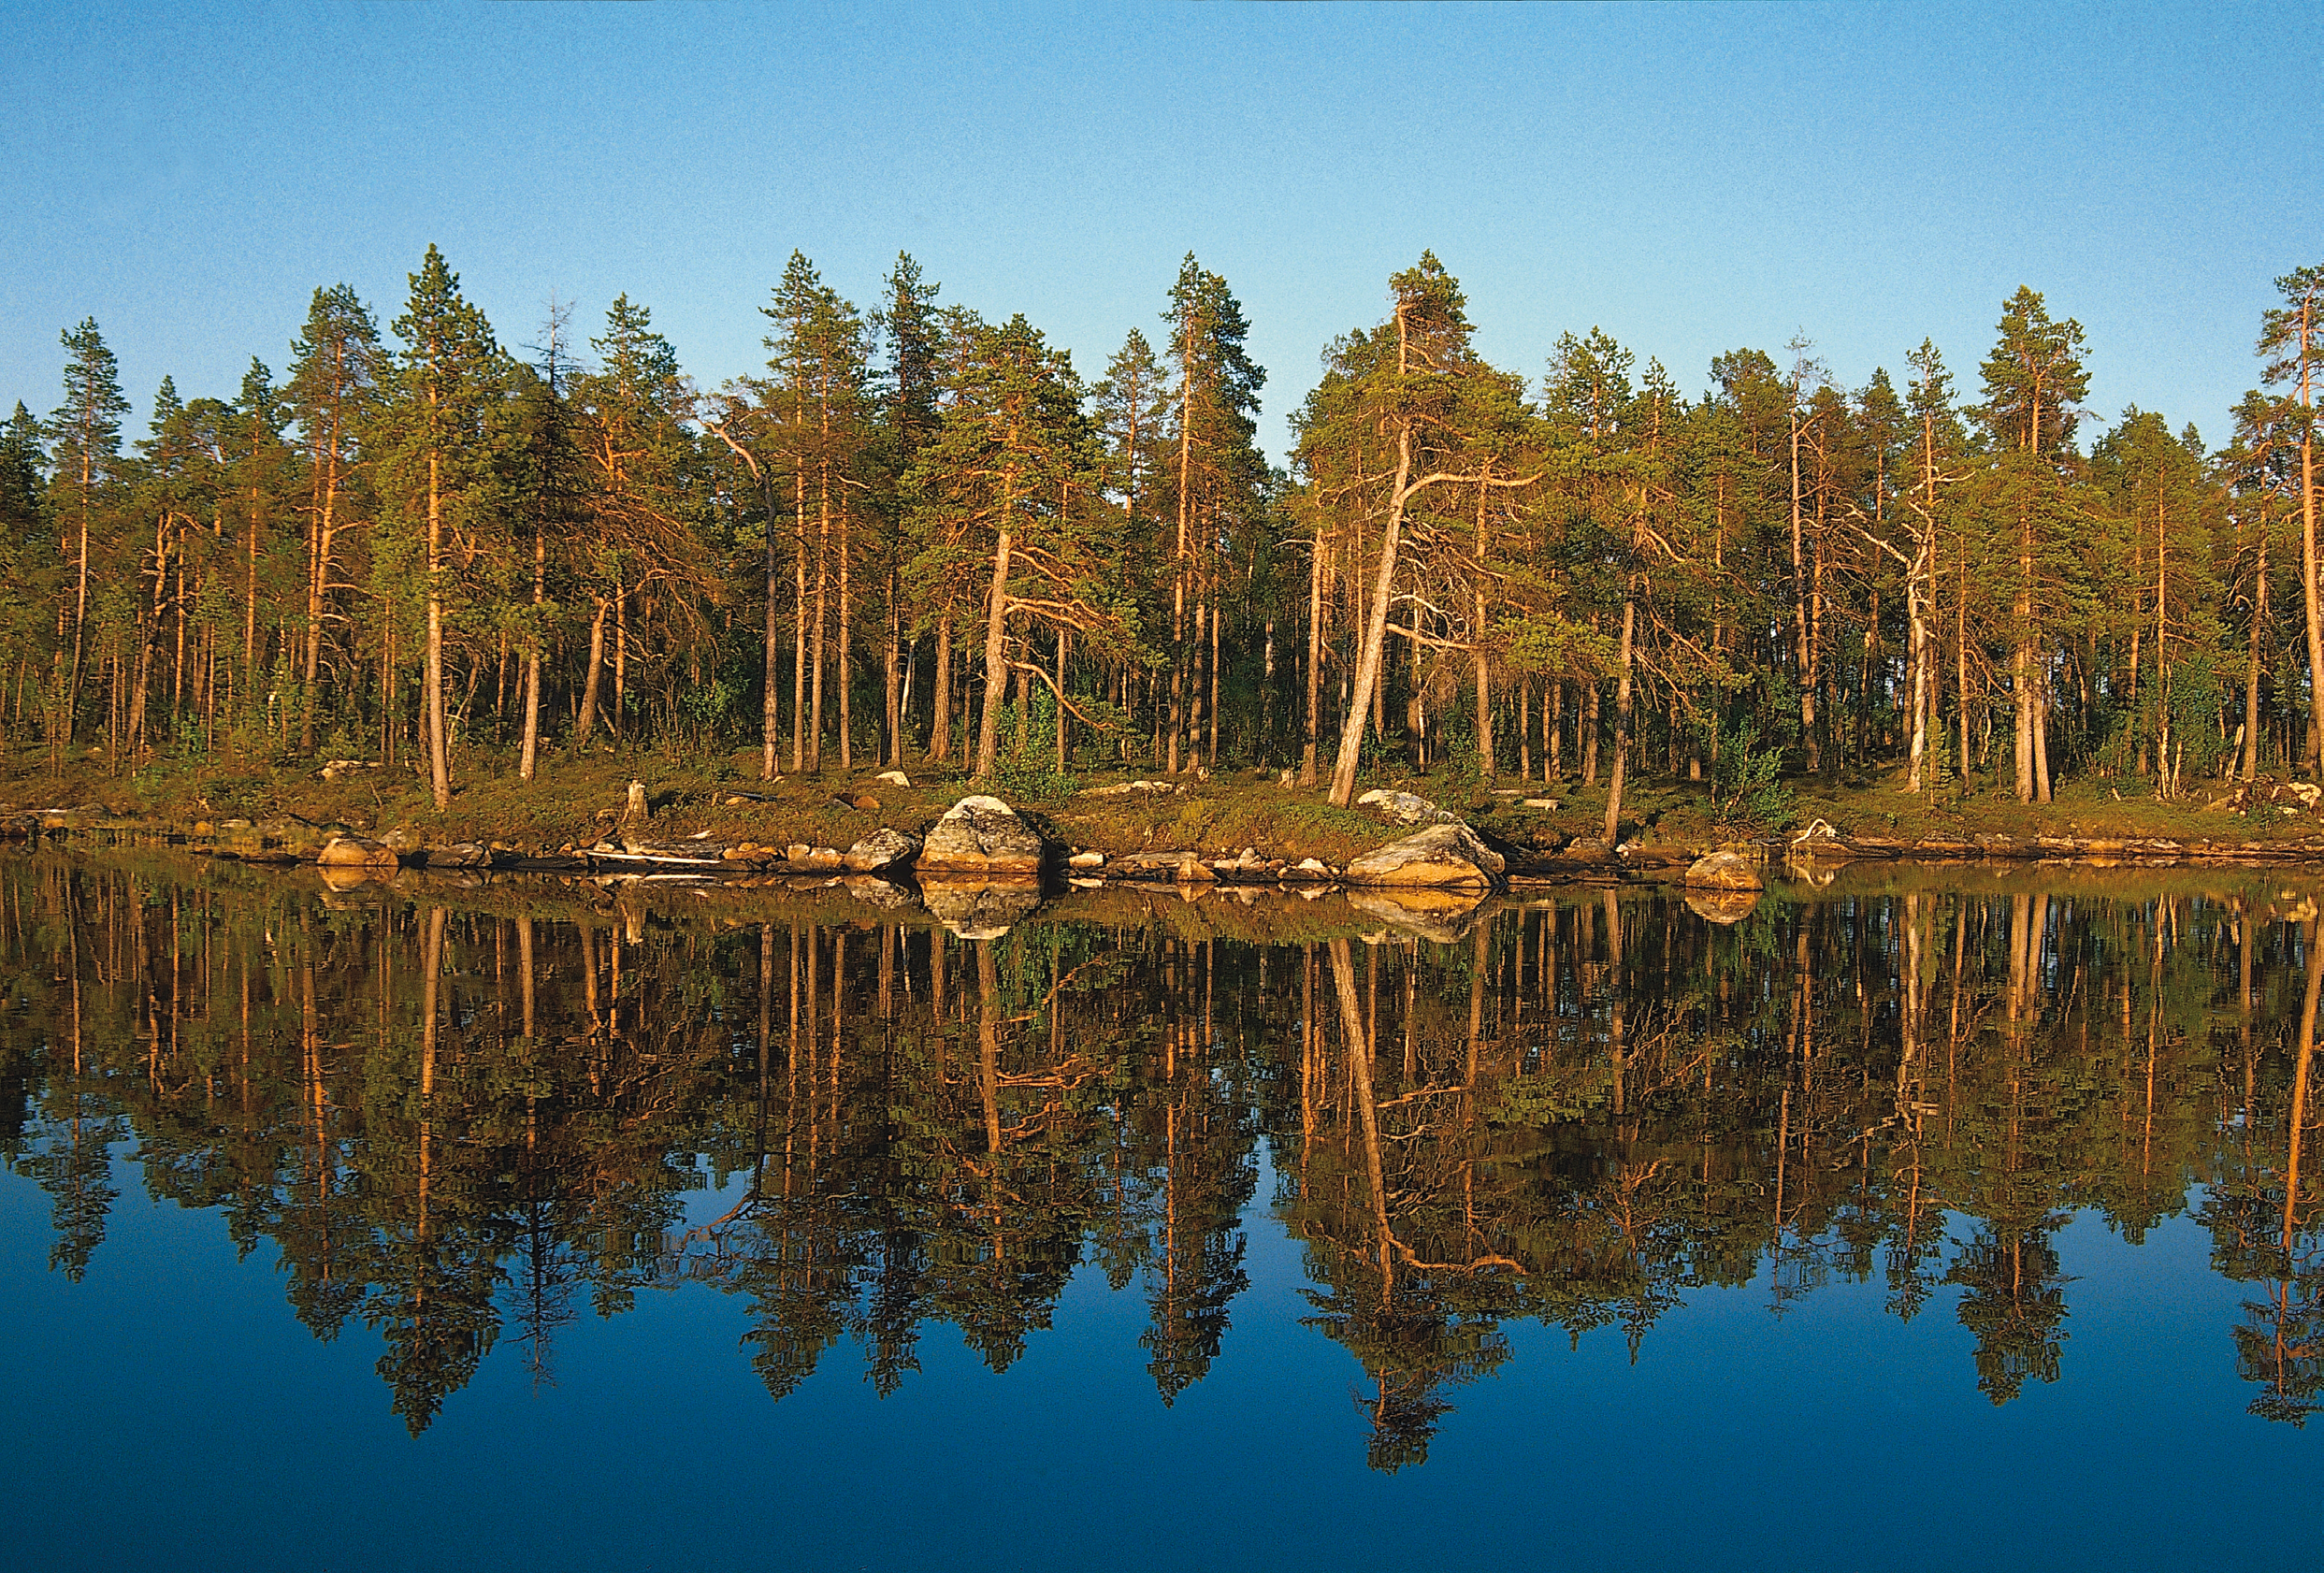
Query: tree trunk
(587, 718)
(1622, 723)
(439, 750)
(2041, 739)
(2251, 681)
(770, 716)
(996, 658)
(939, 728)
(81, 600)
(2308, 561)
(1484, 698)
(798, 619)
(1212, 753)
(892, 640)
(528, 753)
(1525, 728)
(1375, 629)
(1801, 655)
(1589, 733)
(815, 638)
(318, 587)
(843, 636)
(1916, 608)
(1315, 656)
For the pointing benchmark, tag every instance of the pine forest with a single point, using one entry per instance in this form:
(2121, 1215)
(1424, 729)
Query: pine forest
(922, 534)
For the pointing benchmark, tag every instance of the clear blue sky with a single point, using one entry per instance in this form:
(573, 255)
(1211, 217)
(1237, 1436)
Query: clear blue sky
(1693, 179)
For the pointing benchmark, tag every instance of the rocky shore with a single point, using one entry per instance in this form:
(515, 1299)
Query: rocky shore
(983, 838)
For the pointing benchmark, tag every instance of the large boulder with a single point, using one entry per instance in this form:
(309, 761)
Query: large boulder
(1724, 871)
(881, 849)
(984, 837)
(356, 852)
(1403, 808)
(1442, 854)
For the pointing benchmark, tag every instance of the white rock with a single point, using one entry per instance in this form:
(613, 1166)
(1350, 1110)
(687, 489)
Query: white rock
(981, 835)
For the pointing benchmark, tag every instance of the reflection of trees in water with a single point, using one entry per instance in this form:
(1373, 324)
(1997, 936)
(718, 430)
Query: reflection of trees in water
(455, 1120)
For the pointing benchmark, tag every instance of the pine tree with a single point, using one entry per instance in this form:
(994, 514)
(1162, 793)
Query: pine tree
(1011, 479)
(262, 472)
(2163, 504)
(644, 498)
(438, 435)
(84, 455)
(27, 544)
(2290, 337)
(908, 397)
(337, 371)
(1218, 482)
(547, 476)
(2032, 380)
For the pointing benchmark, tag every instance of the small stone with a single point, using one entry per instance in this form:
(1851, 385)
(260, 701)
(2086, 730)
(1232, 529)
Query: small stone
(893, 778)
(867, 803)
(1086, 860)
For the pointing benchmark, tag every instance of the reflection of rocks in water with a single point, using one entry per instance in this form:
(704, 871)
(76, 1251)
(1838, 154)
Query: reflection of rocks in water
(339, 877)
(874, 891)
(1812, 871)
(1722, 907)
(979, 912)
(1430, 912)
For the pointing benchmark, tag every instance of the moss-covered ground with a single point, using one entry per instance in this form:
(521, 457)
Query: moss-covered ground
(577, 799)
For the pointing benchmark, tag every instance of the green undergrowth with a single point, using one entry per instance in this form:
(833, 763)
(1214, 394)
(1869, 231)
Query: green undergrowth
(578, 799)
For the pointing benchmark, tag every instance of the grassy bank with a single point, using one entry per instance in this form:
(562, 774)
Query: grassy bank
(576, 799)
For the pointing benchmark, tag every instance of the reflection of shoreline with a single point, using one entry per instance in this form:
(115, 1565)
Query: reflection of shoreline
(1569, 1109)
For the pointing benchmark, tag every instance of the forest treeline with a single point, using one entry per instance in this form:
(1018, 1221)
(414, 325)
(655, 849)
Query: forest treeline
(921, 534)
(465, 1126)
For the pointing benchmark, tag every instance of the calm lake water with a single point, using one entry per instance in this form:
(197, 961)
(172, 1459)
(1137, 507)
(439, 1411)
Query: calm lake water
(1914, 1222)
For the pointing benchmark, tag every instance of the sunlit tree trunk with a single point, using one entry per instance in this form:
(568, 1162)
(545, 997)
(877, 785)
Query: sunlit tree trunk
(1621, 721)
(2251, 680)
(528, 752)
(996, 656)
(439, 750)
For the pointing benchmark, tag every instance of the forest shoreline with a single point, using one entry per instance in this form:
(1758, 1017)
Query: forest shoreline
(1234, 826)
